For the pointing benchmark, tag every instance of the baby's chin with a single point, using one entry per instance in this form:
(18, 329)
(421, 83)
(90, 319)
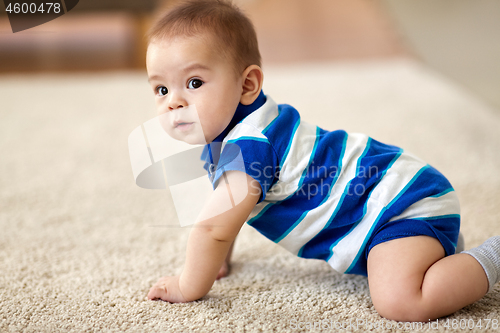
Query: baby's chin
(191, 139)
(192, 136)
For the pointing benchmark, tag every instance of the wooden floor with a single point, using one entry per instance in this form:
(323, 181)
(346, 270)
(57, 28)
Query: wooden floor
(288, 30)
(297, 30)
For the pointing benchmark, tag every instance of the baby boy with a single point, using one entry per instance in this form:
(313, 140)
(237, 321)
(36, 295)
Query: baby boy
(362, 206)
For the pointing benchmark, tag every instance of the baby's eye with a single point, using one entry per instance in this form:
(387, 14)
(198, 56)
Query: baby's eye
(162, 90)
(194, 83)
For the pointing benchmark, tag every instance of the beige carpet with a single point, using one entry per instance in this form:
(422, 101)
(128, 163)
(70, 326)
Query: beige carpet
(80, 244)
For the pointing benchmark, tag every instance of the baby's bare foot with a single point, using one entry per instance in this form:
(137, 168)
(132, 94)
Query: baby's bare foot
(224, 271)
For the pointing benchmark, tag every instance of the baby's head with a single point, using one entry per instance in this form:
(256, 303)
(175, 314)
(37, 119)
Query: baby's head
(203, 56)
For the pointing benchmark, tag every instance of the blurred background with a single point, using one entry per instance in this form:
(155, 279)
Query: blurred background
(459, 38)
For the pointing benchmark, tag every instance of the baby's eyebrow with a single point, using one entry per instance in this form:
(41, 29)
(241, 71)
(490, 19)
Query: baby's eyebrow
(186, 70)
(153, 77)
(195, 66)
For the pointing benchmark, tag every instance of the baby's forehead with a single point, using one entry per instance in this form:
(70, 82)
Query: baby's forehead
(205, 40)
(204, 44)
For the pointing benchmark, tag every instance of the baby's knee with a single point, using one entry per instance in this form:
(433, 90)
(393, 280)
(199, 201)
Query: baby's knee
(395, 306)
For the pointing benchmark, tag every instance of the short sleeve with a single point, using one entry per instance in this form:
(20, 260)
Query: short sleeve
(253, 156)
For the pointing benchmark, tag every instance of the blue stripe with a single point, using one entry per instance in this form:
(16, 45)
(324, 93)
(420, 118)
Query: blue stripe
(378, 157)
(280, 216)
(256, 217)
(348, 215)
(362, 248)
(277, 240)
(368, 145)
(280, 131)
(347, 188)
(341, 158)
(311, 158)
(248, 138)
(444, 229)
(262, 212)
(442, 193)
(368, 236)
(297, 123)
(334, 180)
(407, 186)
(430, 183)
(389, 166)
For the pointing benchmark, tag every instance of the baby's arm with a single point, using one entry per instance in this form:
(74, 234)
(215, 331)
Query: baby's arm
(210, 241)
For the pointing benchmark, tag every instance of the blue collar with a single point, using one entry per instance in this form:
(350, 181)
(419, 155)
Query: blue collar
(211, 153)
(242, 111)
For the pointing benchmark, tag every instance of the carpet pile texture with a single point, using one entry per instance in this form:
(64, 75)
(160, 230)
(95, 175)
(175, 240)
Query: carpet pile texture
(81, 244)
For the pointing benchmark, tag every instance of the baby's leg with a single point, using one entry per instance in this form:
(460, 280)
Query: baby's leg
(411, 280)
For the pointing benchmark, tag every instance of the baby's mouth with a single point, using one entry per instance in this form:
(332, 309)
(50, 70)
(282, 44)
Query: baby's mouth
(183, 125)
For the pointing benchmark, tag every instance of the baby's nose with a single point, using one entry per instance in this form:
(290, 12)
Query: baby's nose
(176, 101)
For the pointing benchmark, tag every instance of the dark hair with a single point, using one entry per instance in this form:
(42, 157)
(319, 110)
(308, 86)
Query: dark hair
(233, 32)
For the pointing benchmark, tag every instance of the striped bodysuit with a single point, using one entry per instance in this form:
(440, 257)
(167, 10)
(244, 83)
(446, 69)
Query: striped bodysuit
(331, 195)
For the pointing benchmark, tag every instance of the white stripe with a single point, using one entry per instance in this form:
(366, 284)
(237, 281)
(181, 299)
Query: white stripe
(244, 130)
(447, 204)
(296, 162)
(252, 126)
(263, 116)
(255, 122)
(317, 218)
(394, 181)
(287, 184)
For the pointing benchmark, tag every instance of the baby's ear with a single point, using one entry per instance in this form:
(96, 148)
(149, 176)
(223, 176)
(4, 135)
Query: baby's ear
(252, 84)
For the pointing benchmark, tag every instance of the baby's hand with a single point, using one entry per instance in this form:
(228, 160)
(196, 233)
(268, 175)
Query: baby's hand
(167, 289)
(224, 270)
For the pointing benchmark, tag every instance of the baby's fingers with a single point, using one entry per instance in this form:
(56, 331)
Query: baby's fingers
(158, 292)
(167, 289)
